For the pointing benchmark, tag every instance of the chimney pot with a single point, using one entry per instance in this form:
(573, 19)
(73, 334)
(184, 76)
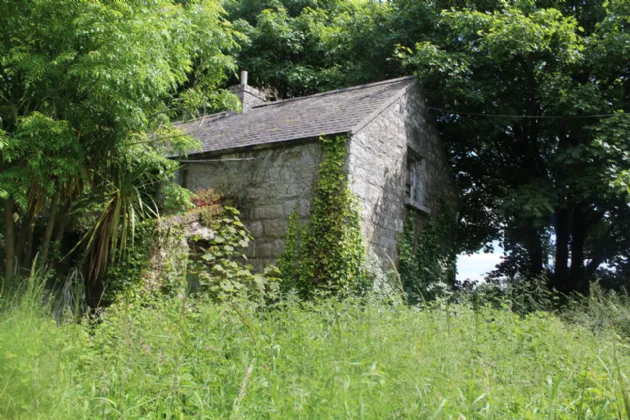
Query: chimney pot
(243, 78)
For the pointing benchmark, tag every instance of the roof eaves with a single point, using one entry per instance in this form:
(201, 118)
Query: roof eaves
(258, 146)
(360, 126)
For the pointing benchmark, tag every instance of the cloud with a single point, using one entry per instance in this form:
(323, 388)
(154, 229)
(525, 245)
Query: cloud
(476, 266)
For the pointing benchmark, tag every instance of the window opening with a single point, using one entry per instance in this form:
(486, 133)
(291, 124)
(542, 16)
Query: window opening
(415, 180)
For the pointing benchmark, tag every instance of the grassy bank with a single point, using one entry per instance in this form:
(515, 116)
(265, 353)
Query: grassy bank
(325, 360)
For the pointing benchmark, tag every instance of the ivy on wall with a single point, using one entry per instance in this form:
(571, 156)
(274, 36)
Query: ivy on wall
(328, 254)
(168, 259)
(427, 258)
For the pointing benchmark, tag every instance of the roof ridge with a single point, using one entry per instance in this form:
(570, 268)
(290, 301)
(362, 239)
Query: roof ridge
(332, 92)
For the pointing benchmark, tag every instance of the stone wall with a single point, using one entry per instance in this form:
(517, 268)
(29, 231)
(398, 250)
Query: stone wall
(377, 165)
(171, 248)
(265, 184)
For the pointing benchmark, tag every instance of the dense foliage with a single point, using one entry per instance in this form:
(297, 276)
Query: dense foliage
(217, 268)
(86, 89)
(293, 48)
(427, 254)
(530, 96)
(329, 359)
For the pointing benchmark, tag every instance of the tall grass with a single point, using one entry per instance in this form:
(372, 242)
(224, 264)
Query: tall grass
(329, 359)
(38, 369)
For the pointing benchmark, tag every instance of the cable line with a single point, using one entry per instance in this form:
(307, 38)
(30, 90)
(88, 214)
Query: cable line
(541, 117)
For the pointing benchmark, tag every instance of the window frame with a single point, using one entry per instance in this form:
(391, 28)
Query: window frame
(415, 182)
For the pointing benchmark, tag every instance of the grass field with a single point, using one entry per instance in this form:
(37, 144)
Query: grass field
(329, 359)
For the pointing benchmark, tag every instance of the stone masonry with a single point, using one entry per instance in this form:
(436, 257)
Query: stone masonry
(248, 95)
(377, 161)
(266, 185)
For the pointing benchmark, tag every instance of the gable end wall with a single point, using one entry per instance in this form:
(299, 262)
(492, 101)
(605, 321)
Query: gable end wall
(377, 166)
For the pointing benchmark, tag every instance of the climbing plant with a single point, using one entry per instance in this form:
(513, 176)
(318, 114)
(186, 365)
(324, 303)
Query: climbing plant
(171, 259)
(329, 254)
(218, 266)
(427, 259)
(289, 261)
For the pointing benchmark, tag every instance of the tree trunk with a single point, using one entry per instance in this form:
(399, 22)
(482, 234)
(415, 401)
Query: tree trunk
(27, 259)
(9, 239)
(536, 253)
(600, 252)
(61, 223)
(561, 266)
(50, 225)
(94, 286)
(592, 267)
(23, 235)
(578, 238)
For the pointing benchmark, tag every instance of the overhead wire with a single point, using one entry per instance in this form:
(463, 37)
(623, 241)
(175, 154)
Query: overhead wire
(548, 117)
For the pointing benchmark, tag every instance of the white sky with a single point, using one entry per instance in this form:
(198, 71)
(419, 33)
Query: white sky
(476, 266)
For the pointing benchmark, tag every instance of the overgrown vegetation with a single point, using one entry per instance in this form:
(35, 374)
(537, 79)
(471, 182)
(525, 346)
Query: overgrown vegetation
(218, 269)
(427, 254)
(328, 254)
(181, 357)
(531, 98)
(87, 90)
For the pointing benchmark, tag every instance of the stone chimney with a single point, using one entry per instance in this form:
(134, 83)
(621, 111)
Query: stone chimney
(248, 95)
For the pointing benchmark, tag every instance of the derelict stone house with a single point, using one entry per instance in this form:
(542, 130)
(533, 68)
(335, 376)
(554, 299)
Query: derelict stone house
(266, 159)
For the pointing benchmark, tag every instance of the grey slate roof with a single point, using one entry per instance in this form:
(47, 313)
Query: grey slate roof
(335, 112)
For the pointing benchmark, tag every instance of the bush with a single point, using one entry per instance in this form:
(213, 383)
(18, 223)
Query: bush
(522, 296)
(218, 267)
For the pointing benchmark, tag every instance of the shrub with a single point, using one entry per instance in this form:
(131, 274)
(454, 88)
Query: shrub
(601, 311)
(218, 266)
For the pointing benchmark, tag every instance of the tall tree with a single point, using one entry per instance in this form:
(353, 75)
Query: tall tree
(299, 48)
(86, 91)
(530, 97)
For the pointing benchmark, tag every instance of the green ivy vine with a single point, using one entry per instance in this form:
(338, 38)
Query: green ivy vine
(427, 259)
(166, 261)
(329, 253)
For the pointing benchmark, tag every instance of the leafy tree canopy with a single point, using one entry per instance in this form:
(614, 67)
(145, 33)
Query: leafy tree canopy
(298, 48)
(86, 92)
(531, 98)
(517, 90)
